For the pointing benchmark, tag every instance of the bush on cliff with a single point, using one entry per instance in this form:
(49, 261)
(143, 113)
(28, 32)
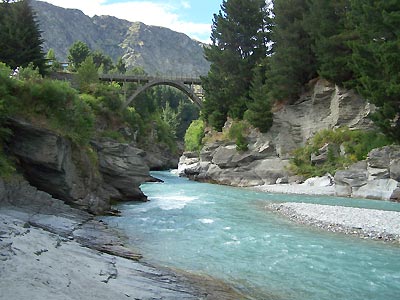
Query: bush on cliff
(50, 103)
(237, 133)
(342, 147)
(194, 136)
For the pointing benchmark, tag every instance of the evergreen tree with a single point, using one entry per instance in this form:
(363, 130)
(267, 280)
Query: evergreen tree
(87, 74)
(376, 59)
(238, 43)
(78, 52)
(293, 62)
(259, 113)
(121, 66)
(325, 22)
(103, 61)
(20, 37)
(55, 65)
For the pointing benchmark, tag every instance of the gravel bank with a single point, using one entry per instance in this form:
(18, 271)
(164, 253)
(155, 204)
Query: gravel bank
(366, 223)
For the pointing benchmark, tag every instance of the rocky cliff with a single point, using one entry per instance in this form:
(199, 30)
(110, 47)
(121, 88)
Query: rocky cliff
(158, 50)
(78, 176)
(326, 106)
(265, 162)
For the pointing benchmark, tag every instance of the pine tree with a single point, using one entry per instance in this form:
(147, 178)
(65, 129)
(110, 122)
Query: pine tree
(103, 61)
(120, 66)
(293, 62)
(238, 42)
(78, 52)
(325, 22)
(259, 110)
(87, 74)
(20, 37)
(376, 59)
(55, 65)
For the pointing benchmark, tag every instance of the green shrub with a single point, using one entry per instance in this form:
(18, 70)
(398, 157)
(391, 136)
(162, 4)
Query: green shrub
(52, 102)
(7, 168)
(133, 119)
(109, 95)
(92, 101)
(194, 136)
(49, 97)
(78, 122)
(237, 132)
(87, 74)
(355, 143)
(115, 135)
(29, 73)
(165, 133)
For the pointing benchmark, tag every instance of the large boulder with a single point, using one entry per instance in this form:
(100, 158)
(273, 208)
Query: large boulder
(348, 180)
(123, 170)
(228, 157)
(394, 169)
(381, 189)
(53, 164)
(375, 178)
(189, 164)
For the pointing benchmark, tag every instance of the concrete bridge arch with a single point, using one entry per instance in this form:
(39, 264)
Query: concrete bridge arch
(180, 85)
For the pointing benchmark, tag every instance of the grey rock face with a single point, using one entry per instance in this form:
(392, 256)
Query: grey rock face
(394, 169)
(122, 169)
(159, 157)
(375, 178)
(52, 164)
(325, 107)
(158, 50)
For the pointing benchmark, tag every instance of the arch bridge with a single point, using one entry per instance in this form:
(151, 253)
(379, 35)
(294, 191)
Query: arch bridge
(191, 86)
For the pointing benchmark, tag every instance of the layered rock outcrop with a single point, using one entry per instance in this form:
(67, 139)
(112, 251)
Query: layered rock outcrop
(73, 174)
(122, 169)
(375, 178)
(326, 106)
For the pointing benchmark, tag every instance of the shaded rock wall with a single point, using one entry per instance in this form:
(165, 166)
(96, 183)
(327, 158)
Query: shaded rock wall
(53, 164)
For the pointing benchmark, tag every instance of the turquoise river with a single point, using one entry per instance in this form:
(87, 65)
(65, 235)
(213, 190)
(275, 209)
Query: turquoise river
(227, 233)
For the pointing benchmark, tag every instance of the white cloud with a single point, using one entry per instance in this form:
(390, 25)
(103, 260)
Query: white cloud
(185, 4)
(148, 12)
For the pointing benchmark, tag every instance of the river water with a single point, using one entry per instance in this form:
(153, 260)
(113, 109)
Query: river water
(225, 232)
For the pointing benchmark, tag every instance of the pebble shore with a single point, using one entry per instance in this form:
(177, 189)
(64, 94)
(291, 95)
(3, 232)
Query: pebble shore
(365, 223)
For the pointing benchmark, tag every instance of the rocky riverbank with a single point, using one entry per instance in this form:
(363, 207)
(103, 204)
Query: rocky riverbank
(365, 223)
(51, 250)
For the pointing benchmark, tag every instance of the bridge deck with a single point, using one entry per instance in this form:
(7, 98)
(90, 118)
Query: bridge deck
(146, 79)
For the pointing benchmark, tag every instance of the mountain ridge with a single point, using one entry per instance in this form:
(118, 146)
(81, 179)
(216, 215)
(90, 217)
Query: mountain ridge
(158, 50)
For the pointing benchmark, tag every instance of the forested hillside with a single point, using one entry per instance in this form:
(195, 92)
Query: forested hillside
(267, 53)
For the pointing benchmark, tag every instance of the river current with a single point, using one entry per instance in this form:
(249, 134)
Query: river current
(227, 233)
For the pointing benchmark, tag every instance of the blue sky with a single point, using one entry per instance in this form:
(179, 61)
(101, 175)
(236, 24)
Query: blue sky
(193, 17)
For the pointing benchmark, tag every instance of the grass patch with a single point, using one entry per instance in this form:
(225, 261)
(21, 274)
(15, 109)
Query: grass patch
(345, 147)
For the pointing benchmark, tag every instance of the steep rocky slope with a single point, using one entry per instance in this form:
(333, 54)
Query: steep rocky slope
(265, 162)
(325, 107)
(158, 50)
(53, 164)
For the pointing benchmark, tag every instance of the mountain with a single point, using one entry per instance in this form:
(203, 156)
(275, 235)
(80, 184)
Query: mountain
(158, 50)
